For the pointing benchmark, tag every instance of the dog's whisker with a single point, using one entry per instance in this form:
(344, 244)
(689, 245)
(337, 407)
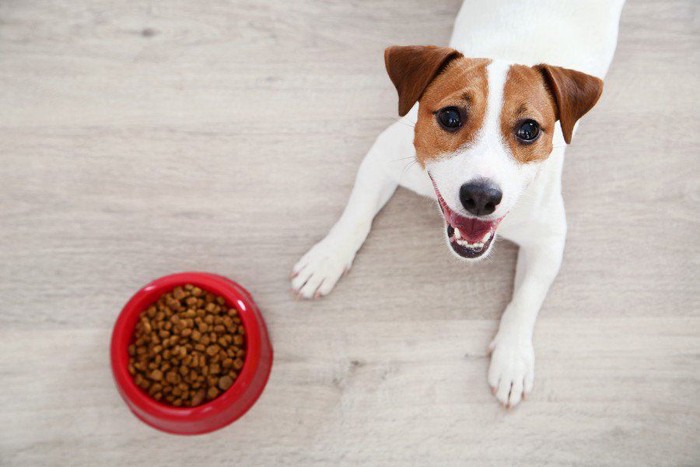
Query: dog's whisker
(408, 166)
(403, 158)
(404, 122)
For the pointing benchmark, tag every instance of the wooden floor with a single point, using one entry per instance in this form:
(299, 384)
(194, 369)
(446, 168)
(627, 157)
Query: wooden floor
(139, 139)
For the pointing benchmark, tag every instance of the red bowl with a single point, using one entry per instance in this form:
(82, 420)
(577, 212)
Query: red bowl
(230, 405)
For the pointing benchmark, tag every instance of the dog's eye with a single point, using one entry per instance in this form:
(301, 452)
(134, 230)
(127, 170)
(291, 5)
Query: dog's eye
(528, 131)
(449, 118)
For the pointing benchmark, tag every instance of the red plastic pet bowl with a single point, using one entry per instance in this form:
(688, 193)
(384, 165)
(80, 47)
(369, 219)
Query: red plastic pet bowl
(230, 405)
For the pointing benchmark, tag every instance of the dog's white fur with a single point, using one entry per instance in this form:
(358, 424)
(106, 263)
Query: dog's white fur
(581, 35)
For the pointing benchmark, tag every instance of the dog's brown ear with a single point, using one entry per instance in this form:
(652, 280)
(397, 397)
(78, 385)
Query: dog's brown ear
(412, 68)
(575, 93)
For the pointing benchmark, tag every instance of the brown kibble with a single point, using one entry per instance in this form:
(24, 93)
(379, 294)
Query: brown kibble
(198, 397)
(178, 293)
(186, 347)
(225, 382)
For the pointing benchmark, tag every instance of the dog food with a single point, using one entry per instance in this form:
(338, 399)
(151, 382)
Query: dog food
(188, 348)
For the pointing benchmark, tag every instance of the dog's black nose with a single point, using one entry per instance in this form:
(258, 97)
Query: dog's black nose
(480, 197)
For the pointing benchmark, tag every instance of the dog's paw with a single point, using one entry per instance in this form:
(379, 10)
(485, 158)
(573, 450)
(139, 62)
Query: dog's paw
(319, 269)
(512, 370)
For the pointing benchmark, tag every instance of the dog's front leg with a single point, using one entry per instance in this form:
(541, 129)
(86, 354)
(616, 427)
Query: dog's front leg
(320, 268)
(512, 369)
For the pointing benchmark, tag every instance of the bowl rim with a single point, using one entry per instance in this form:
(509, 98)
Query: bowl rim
(235, 295)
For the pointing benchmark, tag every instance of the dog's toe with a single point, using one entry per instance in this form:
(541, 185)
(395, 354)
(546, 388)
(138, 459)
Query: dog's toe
(512, 370)
(318, 271)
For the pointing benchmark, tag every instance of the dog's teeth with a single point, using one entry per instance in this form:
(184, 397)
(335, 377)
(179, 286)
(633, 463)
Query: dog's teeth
(473, 246)
(458, 234)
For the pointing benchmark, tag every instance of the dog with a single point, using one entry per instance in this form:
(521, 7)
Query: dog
(487, 119)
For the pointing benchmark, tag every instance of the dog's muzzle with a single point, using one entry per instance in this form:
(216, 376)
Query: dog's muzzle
(469, 237)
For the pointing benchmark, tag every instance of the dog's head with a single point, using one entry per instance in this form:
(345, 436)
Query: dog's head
(483, 130)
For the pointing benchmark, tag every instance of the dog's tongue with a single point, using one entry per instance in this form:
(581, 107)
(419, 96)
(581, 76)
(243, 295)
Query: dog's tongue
(471, 229)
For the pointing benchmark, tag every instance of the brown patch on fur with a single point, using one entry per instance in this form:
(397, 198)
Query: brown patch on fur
(525, 97)
(412, 68)
(463, 84)
(575, 93)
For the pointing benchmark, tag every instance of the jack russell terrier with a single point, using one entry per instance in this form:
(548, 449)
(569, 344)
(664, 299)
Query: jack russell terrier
(487, 119)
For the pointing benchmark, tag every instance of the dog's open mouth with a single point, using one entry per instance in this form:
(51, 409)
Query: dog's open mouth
(468, 237)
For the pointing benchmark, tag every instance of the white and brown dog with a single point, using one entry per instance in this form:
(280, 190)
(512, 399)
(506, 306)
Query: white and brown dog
(487, 120)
